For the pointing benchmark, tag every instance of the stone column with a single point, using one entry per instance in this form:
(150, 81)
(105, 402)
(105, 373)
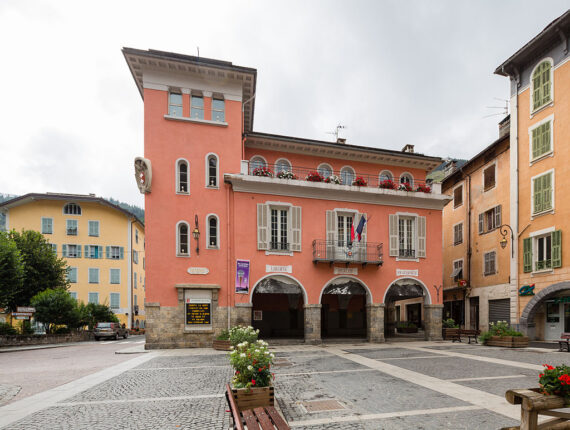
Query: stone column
(375, 322)
(241, 314)
(432, 318)
(312, 323)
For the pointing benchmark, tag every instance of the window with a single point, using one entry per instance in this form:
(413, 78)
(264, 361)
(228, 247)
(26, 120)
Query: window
(407, 178)
(407, 236)
(93, 298)
(541, 85)
(182, 177)
(542, 193)
(542, 252)
(174, 104)
(279, 230)
(255, 163)
(541, 138)
(344, 224)
(71, 227)
(385, 175)
(47, 225)
(115, 252)
(457, 272)
(325, 170)
(93, 251)
(93, 275)
(136, 236)
(72, 209)
(458, 233)
(73, 294)
(458, 196)
(54, 248)
(347, 175)
(489, 177)
(136, 257)
(93, 228)
(115, 300)
(282, 165)
(72, 274)
(71, 251)
(490, 263)
(135, 301)
(212, 170)
(212, 239)
(135, 281)
(115, 276)
(490, 220)
(182, 239)
(197, 107)
(218, 110)
(2, 221)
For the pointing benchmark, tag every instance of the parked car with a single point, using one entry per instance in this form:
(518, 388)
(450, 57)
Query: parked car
(110, 330)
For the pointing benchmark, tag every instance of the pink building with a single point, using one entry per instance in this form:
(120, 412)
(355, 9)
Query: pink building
(253, 228)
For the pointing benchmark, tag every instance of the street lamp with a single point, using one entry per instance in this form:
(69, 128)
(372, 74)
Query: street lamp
(196, 234)
(503, 230)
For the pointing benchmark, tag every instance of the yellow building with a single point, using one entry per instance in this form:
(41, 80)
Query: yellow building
(476, 273)
(103, 244)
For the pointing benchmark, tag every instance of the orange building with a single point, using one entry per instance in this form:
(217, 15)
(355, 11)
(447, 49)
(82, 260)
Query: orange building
(539, 75)
(301, 238)
(476, 275)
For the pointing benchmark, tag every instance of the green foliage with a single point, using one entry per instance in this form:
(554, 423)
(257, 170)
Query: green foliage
(224, 335)
(26, 327)
(406, 324)
(62, 330)
(450, 323)
(11, 271)
(55, 307)
(556, 380)
(135, 210)
(99, 313)
(241, 334)
(252, 364)
(501, 329)
(7, 329)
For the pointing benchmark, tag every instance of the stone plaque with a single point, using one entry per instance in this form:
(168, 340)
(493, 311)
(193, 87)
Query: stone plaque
(401, 272)
(279, 269)
(346, 270)
(198, 312)
(198, 270)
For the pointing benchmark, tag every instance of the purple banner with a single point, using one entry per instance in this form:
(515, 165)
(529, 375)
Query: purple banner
(242, 276)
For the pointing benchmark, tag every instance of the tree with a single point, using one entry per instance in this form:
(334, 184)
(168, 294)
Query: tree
(11, 270)
(42, 268)
(99, 313)
(55, 307)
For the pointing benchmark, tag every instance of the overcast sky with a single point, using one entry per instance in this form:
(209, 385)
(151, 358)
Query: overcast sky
(392, 72)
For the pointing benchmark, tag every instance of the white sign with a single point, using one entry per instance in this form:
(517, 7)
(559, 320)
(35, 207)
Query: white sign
(346, 270)
(198, 301)
(25, 309)
(198, 270)
(280, 269)
(401, 272)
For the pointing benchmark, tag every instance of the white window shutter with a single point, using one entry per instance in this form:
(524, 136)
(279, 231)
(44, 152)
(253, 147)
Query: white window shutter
(480, 223)
(87, 254)
(296, 228)
(363, 247)
(498, 218)
(262, 226)
(422, 236)
(393, 235)
(330, 234)
(64, 250)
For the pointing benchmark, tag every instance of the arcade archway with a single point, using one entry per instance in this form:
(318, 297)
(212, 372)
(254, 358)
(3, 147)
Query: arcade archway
(404, 312)
(343, 312)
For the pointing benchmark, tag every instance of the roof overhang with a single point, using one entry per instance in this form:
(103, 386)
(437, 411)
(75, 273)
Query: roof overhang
(341, 151)
(140, 61)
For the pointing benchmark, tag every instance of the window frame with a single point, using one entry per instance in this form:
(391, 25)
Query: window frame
(344, 169)
(280, 230)
(114, 270)
(455, 241)
(118, 300)
(533, 127)
(484, 170)
(178, 225)
(75, 206)
(90, 271)
(68, 228)
(456, 278)
(50, 225)
(289, 169)
(534, 110)
(458, 205)
(197, 109)
(534, 214)
(380, 176)
(491, 212)
(406, 175)
(70, 270)
(207, 170)
(328, 167)
(413, 239)
(251, 160)
(177, 178)
(495, 263)
(112, 248)
(96, 294)
(218, 98)
(93, 222)
(177, 92)
(208, 235)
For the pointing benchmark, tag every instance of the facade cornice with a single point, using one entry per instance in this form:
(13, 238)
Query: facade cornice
(322, 191)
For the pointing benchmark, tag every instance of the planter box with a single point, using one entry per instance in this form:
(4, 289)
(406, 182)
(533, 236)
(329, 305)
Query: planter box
(508, 341)
(221, 345)
(256, 397)
(520, 341)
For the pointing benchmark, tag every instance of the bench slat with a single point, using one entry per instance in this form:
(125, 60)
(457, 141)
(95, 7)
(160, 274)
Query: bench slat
(250, 420)
(233, 408)
(280, 423)
(263, 419)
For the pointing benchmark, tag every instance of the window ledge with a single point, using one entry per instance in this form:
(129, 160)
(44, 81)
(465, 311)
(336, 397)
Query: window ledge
(417, 260)
(549, 211)
(542, 272)
(489, 188)
(182, 194)
(287, 253)
(212, 187)
(213, 247)
(541, 108)
(458, 206)
(183, 255)
(542, 157)
(195, 120)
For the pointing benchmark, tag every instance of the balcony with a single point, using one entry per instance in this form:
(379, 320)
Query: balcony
(334, 251)
(72, 231)
(407, 253)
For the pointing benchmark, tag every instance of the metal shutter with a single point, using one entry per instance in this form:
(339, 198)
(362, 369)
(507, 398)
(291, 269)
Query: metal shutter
(499, 310)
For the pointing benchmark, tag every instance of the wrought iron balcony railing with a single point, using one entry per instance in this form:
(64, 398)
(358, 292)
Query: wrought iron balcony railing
(407, 253)
(279, 246)
(334, 251)
(544, 264)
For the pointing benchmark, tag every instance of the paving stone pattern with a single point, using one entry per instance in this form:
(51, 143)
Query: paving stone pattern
(187, 361)
(8, 392)
(385, 353)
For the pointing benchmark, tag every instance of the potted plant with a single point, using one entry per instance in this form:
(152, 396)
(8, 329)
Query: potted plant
(405, 187)
(263, 171)
(333, 179)
(285, 174)
(252, 382)
(555, 381)
(314, 177)
(406, 327)
(359, 182)
(222, 341)
(501, 334)
(448, 325)
(387, 184)
(423, 189)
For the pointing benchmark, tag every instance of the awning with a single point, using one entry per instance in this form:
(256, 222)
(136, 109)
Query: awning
(456, 271)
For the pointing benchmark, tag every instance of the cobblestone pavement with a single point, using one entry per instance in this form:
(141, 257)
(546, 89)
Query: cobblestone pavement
(412, 385)
(7, 392)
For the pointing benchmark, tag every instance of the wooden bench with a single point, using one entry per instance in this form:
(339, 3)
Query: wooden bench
(471, 334)
(533, 404)
(564, 340)
(452, 334)
(264, 418)
(455, 334)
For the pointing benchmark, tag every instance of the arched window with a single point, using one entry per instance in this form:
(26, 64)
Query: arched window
(407, 178)
(541, 84)
(325, 170)
(182, 240)
(347, 175)
(256, 162)
(212, 170)
(385, 175)
(182, 177)
(72, 209)
(282, 165)
(213, 232)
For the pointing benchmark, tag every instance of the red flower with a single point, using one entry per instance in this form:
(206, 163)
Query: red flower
(548, 366)
(237, 372)
(260, 369)
(541, 375)
(253, 382)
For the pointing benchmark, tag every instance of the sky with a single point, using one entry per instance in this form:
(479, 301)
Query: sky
(392, 72)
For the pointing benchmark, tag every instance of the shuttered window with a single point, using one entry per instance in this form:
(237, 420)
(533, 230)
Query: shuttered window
(93, 228)
(489, 177)
(458, 234)
(541, 85)
(542, 252)
(47, 225)
(93, 298)
(72, 274)
(542, 193)
(115, 252)
(541, 140)
(174, 104)
(93, 275)
(490, 263)
(407, 236)
(527, 255)
(115, 276)
(490, 220)
(115, 300)
(499, 310)
(458, 196)
(279, 228)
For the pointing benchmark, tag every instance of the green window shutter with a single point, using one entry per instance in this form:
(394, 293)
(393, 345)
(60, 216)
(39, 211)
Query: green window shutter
(536, 95)
(537, 197)
(64, 250)
(527, 255)
(121, 253)
(78, 247)
(393, 228)
(421, 236)
(546, 138)
(556, 243)
(100, 251)
(498, 218)
(87, 254)
(546, 83)
(107, 252)
(535, 142)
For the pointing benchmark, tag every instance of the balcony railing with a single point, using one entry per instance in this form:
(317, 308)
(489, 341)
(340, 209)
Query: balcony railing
(72, 231)
(407, 253)
(333, 251)
(279, 246)
(338, 177)
(543, 265)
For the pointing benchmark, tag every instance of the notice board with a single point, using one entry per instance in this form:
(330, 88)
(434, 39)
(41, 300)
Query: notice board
(198, 312)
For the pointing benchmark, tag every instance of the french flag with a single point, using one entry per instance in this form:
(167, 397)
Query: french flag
(359, 228)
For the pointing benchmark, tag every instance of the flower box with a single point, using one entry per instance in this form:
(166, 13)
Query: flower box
(359, 182)
(221, 345)
(254, 397)
(508, 341)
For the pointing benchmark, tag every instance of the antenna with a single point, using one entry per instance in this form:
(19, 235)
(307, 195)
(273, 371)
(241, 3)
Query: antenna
(335, 132)
(198, 49)
(505, 108)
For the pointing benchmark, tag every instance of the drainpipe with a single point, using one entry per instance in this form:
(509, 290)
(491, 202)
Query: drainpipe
(229, 248)
(468, 202)
(243, 125)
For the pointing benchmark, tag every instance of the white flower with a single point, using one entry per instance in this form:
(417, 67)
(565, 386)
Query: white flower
(242, 355)
(250, 367)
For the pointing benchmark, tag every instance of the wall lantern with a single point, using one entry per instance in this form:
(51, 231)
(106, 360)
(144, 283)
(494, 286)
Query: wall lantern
(196, 234)
(503, 242)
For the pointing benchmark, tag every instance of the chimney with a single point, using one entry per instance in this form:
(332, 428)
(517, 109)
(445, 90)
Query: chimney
(450, 167)
(408, 148)
(341, 140)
